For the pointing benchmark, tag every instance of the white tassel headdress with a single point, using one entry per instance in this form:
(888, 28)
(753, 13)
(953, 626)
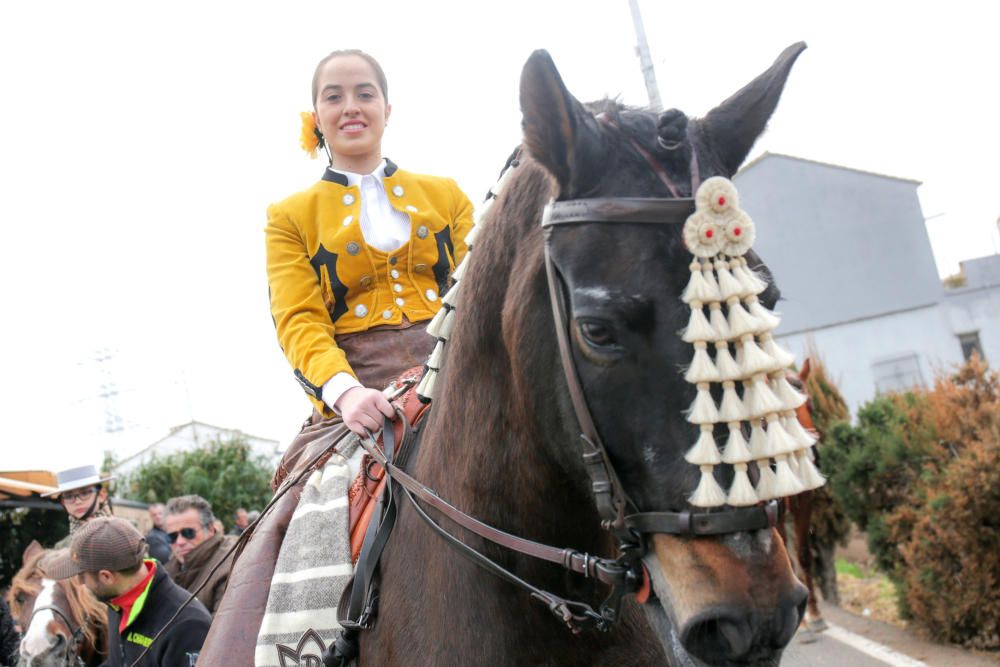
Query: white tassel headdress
(738, 329)
(441, 325)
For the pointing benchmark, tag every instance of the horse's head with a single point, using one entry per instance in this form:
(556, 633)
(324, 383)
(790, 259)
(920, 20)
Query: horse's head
(61, 619)
(724, 599)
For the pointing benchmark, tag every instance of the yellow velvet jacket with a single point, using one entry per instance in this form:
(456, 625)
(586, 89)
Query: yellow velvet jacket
(325, 280)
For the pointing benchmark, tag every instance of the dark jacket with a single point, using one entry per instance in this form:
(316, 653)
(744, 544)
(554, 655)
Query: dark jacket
(180, 643)
(159, 545)
(10, 641)
(199, 563)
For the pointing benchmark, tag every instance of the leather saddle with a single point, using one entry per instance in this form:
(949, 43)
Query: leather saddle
(370, 482)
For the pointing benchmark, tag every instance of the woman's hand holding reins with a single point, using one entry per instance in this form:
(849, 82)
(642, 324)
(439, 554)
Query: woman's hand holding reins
(363, 408)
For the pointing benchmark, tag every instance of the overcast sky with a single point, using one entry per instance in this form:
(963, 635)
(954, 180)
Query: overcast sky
(141, 142)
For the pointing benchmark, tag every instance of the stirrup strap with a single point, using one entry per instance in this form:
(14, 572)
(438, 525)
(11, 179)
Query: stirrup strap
(364, 594)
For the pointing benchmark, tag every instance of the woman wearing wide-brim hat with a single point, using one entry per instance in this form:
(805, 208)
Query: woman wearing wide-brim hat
(83, 494)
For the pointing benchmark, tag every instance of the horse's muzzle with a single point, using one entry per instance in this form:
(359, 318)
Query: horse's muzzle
(725, 601)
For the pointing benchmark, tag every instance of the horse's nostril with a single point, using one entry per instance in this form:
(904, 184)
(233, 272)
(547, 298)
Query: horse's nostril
(801, 609)
(719, 637)
(788, 616)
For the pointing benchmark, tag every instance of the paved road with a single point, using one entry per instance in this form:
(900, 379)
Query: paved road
(828, 651)
(855, 641)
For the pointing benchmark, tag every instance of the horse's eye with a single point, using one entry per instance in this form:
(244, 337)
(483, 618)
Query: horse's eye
(597, 334)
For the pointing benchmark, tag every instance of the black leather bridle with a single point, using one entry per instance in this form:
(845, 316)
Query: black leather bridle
(613, 503)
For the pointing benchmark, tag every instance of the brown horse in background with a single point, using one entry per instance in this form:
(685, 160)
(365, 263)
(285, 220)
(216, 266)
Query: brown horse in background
(800, 508)
(63, 624)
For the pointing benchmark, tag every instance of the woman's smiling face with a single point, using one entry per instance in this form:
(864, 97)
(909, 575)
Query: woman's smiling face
(351, 112)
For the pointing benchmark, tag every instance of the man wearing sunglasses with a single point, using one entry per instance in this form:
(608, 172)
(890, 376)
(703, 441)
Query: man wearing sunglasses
(197, 547)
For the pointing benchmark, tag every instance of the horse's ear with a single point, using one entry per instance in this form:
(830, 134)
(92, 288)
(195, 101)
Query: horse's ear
(559, 132)
(31, 550)
(806, 369)
(734, 125)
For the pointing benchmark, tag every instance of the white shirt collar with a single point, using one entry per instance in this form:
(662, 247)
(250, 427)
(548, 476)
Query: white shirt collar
(354, 179)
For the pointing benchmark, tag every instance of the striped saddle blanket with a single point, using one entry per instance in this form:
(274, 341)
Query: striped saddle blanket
(313, 568)
(324, 537)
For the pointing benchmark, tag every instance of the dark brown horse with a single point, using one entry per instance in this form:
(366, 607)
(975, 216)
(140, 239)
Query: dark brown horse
(63, 624)
(503, 440)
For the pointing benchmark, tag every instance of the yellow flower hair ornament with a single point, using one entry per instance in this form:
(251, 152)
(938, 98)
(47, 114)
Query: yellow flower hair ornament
(310, 138)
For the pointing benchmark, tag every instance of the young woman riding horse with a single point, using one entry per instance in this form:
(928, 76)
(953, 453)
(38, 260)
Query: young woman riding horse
(560, 416)
(64, 625)
(356, 262)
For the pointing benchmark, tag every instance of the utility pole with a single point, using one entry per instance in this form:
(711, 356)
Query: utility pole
(103, 357)
(642, 50)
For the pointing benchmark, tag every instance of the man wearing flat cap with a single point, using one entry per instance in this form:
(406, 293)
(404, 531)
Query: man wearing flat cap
(108, 555)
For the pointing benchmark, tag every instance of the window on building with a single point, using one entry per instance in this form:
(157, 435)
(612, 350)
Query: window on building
(897, 374)
(970, 343)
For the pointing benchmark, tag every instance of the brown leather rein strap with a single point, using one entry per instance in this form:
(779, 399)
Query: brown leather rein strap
(618, 209)
(576, 615)
(609, 494)
(706, 523)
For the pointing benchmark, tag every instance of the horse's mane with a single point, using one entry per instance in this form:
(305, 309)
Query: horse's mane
(82, 604)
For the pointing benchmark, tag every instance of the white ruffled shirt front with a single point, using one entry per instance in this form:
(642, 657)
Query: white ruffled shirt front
(384, 228)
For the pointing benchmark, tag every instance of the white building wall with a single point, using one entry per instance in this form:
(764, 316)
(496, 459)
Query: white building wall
(850, 253)
(852, 349)
(193, 436)
(977, 310)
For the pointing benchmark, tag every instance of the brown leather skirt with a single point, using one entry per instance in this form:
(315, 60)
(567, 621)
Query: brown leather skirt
(377, 356)
(380, 354)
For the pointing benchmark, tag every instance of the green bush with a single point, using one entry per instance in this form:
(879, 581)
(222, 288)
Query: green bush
(224, 473)
(952, 554)
(920, 472)
(874, 466)
(949, 535)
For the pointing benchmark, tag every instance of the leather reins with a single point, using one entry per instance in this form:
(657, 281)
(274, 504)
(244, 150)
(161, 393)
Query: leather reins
(616, 573)
(623, 574)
